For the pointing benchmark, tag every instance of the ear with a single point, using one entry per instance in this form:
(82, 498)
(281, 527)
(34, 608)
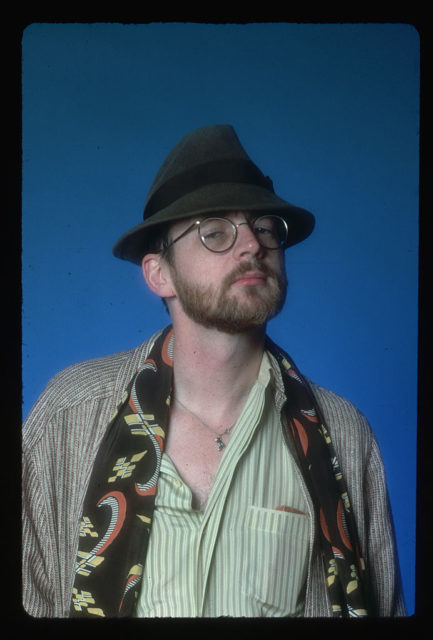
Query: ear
(157, 275)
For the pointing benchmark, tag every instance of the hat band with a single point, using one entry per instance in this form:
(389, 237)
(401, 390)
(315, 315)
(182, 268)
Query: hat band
(217, 171)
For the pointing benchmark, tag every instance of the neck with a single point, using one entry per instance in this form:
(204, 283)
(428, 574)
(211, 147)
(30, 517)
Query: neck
(212, 368)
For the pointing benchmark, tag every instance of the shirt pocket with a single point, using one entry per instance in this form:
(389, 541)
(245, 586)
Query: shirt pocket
(275, 561)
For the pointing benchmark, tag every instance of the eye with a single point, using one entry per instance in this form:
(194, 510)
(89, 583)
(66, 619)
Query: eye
(265, 229)
(271, 231)
(212, 233)
(215, 229)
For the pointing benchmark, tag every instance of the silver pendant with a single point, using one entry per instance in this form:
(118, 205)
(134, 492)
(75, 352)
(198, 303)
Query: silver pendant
(220, 443)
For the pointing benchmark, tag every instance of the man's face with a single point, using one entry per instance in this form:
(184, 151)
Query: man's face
(233, 291)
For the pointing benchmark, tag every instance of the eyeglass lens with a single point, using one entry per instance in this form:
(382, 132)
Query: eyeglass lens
(218, 234)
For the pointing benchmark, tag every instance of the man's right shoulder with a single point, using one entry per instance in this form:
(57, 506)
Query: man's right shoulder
(95, 376)
(105, 376)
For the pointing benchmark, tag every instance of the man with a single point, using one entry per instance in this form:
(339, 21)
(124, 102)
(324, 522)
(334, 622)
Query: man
(201, 474)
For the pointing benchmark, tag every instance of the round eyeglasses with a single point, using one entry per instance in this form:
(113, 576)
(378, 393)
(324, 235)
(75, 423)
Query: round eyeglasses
(219, 234)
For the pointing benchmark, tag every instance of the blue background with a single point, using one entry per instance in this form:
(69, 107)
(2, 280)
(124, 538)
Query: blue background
(329, 111)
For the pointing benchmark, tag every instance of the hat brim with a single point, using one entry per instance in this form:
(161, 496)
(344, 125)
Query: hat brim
(211, 200)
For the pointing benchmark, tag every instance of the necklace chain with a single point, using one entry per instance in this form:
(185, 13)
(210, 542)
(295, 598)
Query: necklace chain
(219, 441)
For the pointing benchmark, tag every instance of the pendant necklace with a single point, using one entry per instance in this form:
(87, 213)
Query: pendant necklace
(219, 441)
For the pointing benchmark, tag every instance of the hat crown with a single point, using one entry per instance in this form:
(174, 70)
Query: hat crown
(214, 142)
(207, 155)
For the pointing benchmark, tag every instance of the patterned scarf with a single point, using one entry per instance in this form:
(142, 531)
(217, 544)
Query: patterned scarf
(118, 507)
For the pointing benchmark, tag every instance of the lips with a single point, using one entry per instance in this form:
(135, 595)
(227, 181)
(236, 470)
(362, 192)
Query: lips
(251, 278)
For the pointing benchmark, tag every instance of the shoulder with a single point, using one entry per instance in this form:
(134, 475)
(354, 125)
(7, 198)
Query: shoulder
(337, 411)
(85, 382)
(336, 405)
(90, 378)
(349, 428)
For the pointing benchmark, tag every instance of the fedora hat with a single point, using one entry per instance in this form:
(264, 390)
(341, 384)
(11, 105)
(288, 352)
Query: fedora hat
(208, 173)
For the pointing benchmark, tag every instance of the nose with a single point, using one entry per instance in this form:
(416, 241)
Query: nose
(246, 241)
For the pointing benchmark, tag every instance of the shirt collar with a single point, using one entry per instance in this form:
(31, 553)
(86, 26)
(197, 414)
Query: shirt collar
(265, 371)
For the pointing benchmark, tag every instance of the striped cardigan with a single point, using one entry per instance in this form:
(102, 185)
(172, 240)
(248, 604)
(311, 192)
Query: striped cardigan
(61, 437)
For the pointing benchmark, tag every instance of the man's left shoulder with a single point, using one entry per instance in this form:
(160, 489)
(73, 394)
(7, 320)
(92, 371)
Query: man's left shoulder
(341, 415)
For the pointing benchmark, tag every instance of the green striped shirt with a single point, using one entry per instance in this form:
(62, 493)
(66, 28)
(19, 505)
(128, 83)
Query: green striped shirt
(245, 554)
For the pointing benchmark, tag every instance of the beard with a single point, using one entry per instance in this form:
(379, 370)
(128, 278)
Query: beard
(220, 309)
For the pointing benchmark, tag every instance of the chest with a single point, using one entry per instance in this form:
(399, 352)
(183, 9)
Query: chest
(195, 454)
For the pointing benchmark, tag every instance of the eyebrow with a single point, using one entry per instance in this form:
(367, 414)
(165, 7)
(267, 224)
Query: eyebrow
(249, 215)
